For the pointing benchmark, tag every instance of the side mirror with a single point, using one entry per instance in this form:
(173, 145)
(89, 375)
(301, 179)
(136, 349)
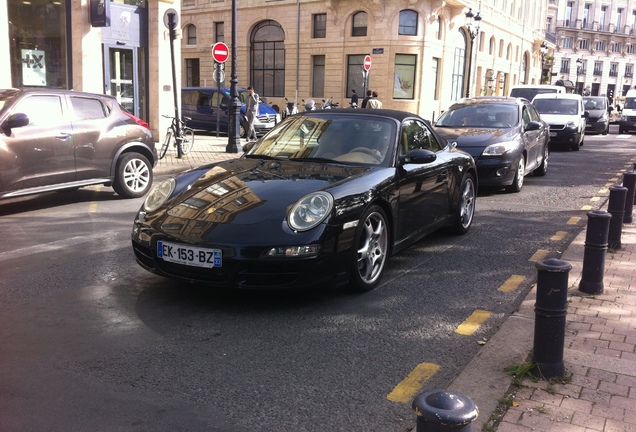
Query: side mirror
(418, 156)
(14, 121)
(586, 114)
(532, 126)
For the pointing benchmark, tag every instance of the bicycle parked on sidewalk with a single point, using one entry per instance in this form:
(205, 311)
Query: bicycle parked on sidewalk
(187, 136)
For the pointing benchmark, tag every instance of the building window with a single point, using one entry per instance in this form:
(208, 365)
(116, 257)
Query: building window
(320, 26)
(268, 59)
(355, 66)
(404, 76)
(566, 42)
(586, 15)
(601, 19)
(615, 47)
(191, 35)
(318, 76)
(584, 44)
(548, 25)
(613, 72)
(598, 68)
(568, 13)
(619, 19)
(359, 27)
(630, 49)
(408, 23)
(629, 70)
(38, 44)
(491, 47)
(219, 32)
(192, 73)
(600, 46)
(438, 28)
(565, 65)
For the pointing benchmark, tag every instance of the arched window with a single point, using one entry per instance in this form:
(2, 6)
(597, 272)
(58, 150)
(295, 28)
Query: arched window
(509, 51)
(459, 63)
(491, 47)
(191, 35)
(359, 27)
(438, 30)
(267, 55)
(524, 69)
(408, 23)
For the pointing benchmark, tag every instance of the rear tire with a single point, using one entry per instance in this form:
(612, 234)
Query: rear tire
(466, 205)
(370, 250)
(133, 176)
(543, 168)
(166, 144)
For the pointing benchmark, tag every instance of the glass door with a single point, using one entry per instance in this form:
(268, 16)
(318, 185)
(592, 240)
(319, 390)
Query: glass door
(122, 77)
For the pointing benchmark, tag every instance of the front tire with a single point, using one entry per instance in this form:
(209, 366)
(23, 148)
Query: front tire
(133, 176)
(187, 142)
(166, 144)
(370, 250)
(466, 205)
(517, 183)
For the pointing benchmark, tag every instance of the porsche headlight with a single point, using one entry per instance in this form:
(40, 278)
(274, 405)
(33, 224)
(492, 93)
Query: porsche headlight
(310, 211)
(159, 194)
(499, 148)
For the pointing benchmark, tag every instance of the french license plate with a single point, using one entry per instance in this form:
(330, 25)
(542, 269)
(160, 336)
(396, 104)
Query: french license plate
(553, 134)
(188, 255)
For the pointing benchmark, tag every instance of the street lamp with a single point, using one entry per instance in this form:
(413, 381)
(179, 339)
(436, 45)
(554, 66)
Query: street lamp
(579, 71)
(234, 135)
(544, 51)
(471, 19)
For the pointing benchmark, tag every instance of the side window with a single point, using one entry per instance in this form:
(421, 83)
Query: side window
(42, 110)
(416, 134)
(203, 99)
(534, 115)
(87, 108)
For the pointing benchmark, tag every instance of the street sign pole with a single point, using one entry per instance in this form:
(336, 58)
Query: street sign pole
(365, 73)
(172, 23)
(234, 138)
(220, 54)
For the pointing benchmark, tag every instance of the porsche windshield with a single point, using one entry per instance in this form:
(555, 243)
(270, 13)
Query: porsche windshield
(350, 138)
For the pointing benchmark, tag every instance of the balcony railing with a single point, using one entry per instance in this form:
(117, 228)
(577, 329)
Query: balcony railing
(595, 26)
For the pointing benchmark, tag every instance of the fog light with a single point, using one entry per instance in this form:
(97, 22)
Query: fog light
(502, 171)
(294, 251)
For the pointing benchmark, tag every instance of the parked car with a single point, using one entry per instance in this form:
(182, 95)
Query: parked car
(529, 91)
(566, 116)
(204, 104)
(627, 121)
(598, 117)
(505, 150)
(62, 139)
(322, 200)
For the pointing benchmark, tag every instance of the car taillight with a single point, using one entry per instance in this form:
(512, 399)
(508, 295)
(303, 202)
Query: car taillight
(139, 121)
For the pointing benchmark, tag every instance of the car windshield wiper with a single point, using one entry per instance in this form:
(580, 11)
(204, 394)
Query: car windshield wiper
(312, 159)
(261, 156)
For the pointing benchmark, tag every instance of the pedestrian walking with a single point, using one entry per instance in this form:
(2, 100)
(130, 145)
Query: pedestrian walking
(251, 112)
(365, 101)
(374, 102)
(354, 98)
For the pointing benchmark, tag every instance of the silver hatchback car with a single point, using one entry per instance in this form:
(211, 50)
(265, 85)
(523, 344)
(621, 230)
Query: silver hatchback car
(60, 139)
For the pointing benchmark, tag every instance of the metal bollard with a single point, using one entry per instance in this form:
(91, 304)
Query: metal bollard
(442, 411)
(629, 181)
(616, 207)
(595, 250)
(550, 311)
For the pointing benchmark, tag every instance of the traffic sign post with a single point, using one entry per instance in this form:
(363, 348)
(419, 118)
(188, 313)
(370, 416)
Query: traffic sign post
(220, 54)
(365, 72)
(171, 19)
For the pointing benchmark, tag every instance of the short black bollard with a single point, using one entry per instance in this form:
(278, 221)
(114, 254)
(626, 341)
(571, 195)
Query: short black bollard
(629, 181)
(595, 250)
(616, 207)
(550, 311)
(441, 411)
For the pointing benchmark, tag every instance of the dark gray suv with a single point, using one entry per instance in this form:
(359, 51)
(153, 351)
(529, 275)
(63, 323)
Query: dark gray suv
(61, 139)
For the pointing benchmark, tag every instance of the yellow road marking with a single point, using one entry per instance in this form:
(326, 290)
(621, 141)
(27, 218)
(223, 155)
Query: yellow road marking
(539, 255)
(609, 184)
(560, 235)
(512, 283)
(602, 191)
(473, 322)
(594, 199)
(586, 207)
(574, 220)
(614, 179)
(405, 391)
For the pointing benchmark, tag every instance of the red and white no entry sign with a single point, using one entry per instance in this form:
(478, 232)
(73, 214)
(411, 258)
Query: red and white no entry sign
(367, 63)
(220, 52)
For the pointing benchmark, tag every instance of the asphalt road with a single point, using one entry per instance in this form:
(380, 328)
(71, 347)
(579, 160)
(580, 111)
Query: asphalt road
(90, 341)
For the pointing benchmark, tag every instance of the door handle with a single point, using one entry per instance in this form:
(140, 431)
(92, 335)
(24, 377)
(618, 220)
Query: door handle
(63, 136)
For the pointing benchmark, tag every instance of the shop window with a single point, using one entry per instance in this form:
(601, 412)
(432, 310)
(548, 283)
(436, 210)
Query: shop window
(404, 76)
(267, 57)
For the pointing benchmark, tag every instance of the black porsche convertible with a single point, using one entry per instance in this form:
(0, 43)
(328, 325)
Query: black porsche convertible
(322, 200)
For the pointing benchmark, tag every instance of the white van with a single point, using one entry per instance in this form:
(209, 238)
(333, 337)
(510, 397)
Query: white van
(529, 91)
(628, 116)
(565, 114)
